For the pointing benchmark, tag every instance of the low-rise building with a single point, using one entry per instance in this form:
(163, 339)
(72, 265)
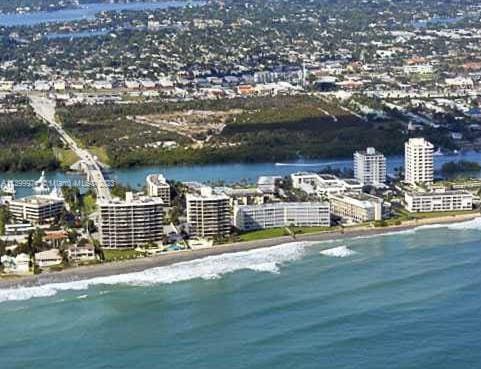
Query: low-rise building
(283, 214)
(446, 200)
(19, 264)
(36, 209)
(268, 184)
(356, 207)
(135, 221)
(242, 196)
(48, 258)
(18, 229)
(208, 214)
(81, 253)
(324, 184)
(157, 186)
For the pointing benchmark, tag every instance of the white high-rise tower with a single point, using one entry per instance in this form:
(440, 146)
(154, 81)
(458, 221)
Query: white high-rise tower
(370, 167)
(418, 161)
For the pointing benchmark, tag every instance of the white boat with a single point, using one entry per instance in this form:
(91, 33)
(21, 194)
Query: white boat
(438, 152)
(41, 185)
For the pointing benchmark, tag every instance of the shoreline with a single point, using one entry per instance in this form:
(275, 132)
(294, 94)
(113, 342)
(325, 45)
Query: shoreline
(138, 265)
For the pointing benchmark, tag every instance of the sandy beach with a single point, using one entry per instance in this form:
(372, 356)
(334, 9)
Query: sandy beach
(137, 265)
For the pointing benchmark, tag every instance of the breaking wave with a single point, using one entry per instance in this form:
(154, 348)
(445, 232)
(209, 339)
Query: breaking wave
(339, 252)
(474, 224)
(261, 260)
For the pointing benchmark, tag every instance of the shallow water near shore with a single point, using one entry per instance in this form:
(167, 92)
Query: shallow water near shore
(402, 300)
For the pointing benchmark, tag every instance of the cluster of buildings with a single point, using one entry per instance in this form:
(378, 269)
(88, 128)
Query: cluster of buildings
(212, 213)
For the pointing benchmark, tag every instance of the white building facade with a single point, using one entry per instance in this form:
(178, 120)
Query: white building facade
(370, 167)
(135, 221)
(208, 214)
(157, 186)
(36, 209)
(357, 208)
(422, 202)
(418, 161)
(276, 215)
(324, 185)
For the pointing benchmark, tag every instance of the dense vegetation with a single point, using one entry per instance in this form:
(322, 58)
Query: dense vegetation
(26, 143)
(459, 167)
(269, 129)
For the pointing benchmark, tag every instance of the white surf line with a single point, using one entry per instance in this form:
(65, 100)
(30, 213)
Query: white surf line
(267, 259)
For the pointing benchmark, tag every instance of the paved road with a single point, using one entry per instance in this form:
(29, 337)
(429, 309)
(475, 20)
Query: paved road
(45, 109)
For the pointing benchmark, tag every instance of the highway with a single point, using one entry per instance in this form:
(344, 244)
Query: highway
(45, 109)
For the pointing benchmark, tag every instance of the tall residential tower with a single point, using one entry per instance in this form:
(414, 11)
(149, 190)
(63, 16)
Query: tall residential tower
(370, 167)
(418, 161)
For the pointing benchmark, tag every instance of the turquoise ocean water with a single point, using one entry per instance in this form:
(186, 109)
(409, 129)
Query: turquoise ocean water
(403, 300)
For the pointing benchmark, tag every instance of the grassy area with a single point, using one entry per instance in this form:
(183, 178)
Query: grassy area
(101, 153)
(89, 203)
(117, 255)
(442, 214)
(279, 232)
(66, 157)
(263, 234)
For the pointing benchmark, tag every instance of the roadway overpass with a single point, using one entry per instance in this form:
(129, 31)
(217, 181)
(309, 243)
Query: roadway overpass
(45, 109)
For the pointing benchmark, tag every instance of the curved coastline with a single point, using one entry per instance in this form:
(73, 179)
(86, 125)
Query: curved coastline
(139, 265)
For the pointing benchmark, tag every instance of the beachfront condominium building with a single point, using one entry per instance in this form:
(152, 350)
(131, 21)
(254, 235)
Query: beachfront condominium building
(324, 185)
(36, 209)
(418, 161)
(135, 221)
(370, 167)
(444, 200)
(208, 214)
(356, 207)
(157, 186)
(282, 214)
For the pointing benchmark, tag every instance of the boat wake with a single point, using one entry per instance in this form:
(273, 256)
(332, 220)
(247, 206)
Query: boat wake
(261, 260)
(339, 252)
(310, 164)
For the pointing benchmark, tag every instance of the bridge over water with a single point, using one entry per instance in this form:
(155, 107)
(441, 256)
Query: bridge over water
(45, 109)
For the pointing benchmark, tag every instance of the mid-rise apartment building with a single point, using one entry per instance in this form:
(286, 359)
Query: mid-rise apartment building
(157, 186)
(448, 200)
(357, 207)
(276, 215)
(370, 167)
(208, 214)
(418, 161)
(132, 222)
(36, 209)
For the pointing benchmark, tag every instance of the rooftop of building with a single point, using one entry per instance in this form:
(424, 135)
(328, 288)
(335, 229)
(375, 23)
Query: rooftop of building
(438, 193)
(37, 200)
(369, 151)
(360, 199)
(419, 141)
(285, 205)
(157, 179)
(267, 180)
(132, 199)
(235, 192)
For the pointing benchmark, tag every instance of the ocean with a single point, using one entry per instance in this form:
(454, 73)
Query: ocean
(409, 299)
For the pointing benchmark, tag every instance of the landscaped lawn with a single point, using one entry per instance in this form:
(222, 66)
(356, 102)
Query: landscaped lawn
(116, 255)
(279, 232)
